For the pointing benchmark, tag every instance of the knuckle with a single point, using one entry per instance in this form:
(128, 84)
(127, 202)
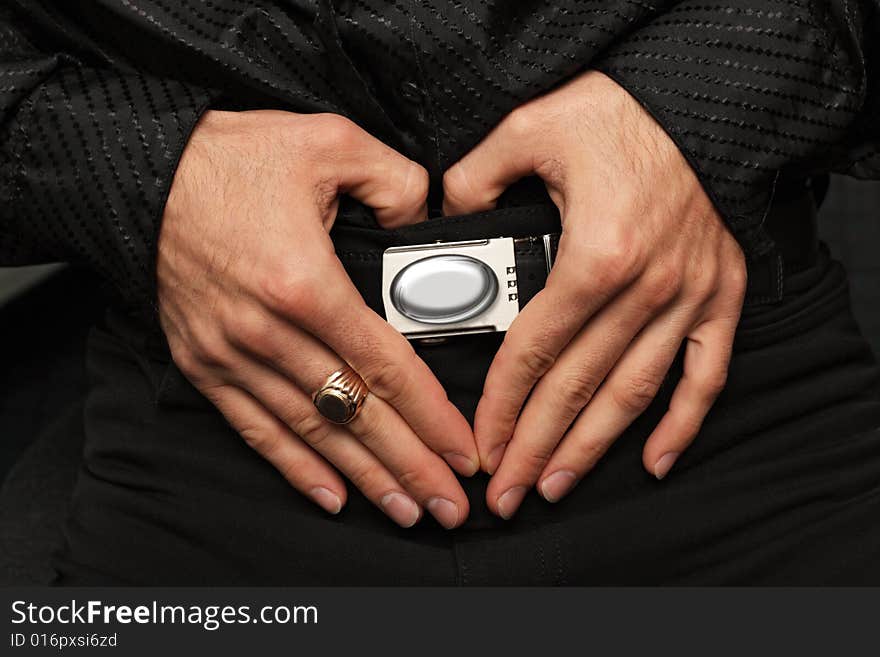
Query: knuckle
(589, 451)
(336, 132)
(636, 394)
(248, 329)
(412, 479)
(259, 439)
(536, 360)
(210, 349)
(703, 283)
(388, 378)
(187, 363)
(458, 190)
(296, 469)
(309, 425)
(536, 457)
(617, 263)
(579, 390)
(293, 293)
(370, 429)
(584, 287)
(416, 184)
(454, 181)
(520, 123)
(662, 284)
(405, 189)
(365, 475)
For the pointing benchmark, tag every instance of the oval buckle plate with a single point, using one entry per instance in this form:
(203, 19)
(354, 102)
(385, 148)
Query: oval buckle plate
(450, 288)
(444, 289)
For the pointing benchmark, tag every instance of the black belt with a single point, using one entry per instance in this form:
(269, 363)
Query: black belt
(790, 222)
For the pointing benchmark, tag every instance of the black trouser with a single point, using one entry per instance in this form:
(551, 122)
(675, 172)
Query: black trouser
(781, 486)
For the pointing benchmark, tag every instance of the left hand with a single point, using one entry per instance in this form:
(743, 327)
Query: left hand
(644, 264)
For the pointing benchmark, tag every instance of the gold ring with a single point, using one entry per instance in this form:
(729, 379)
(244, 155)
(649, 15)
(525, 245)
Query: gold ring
(341, 396)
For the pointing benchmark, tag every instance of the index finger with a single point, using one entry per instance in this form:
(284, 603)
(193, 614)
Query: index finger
(386, 361)
(545, 325)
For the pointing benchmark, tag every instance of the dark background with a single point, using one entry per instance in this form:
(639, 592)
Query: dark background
(43, 380)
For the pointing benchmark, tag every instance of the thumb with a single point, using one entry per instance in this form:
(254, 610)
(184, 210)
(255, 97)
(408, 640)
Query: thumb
(378, 176)
(476, 181)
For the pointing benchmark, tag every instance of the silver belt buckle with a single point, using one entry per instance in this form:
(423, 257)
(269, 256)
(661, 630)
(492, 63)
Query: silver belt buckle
(450, 288)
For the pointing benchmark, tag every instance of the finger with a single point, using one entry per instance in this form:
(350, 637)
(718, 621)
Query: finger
(532, 344)
(417, 468)
(476, 181)
(306, 471)
(343, 451)
(377, 426)
(372, 172)
(706, 360)
(382, 356)
(623, 396)
(564, 391)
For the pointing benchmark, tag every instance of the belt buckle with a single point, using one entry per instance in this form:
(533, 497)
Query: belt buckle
(446, 289)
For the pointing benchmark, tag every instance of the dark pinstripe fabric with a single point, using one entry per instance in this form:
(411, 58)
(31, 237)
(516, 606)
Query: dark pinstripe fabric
(97, 97)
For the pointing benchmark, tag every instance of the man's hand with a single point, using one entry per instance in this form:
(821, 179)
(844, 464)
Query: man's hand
(644, 264)
(258, 310)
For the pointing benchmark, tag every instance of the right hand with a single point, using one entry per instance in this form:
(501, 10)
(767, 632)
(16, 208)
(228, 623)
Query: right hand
(258, 310)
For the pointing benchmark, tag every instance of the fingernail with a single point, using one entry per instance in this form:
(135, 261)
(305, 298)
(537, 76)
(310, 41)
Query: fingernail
(509, 502)
(401, 509)
(326, 499)
(461, 463)
(444, 511)
(494, 458)
(664, 464)
(554, 487)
